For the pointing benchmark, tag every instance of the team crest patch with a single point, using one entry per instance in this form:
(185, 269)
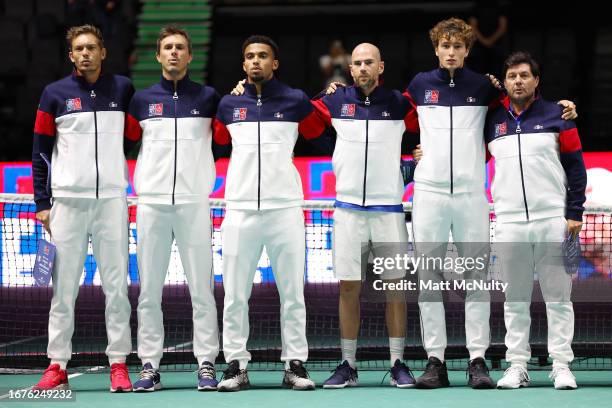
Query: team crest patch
(156, 109)
(348, 109)
(73, 104)
(432, 95)
(501, 129)
(240, 113)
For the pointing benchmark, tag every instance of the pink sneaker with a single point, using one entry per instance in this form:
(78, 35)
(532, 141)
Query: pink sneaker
(120, 379)
(53, 378)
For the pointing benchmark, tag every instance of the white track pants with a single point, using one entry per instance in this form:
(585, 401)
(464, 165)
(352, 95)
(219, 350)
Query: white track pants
(245, 233)
(72, 221)
(467, 217)
(536, 248)
(189, 224)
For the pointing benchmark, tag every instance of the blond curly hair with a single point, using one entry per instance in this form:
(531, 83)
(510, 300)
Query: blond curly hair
(452, 27)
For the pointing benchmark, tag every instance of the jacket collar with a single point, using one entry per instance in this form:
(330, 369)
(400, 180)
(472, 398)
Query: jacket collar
(535, 103)
(374, 95)
(80, 79)
(269, 88)
(180, 85)
(444, 74)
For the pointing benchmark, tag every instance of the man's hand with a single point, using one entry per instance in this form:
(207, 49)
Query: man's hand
(43, 217)
(239, 89)
(417, 153)
(494, 81)
(574, 227)
(569, 111)
(333, 87)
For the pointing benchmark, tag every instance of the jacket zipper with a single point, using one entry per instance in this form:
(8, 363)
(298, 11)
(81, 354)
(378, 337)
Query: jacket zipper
(258, 152)
(518, 132)
(175, 98)
(365, 169)
(451, 85)
(93, 97)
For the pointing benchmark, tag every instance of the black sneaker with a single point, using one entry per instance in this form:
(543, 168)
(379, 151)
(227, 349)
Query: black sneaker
(234, 379)
(297, 378)
(479, 377)
(435, 375)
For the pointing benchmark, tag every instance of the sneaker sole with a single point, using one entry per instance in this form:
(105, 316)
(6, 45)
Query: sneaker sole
(240, 388)
(57, 387)
(296, 388)
(207, 388)
(426, 386)
(156, 387)
(482, 386)
(119, 389)
(522, 385)
(394, 383)
(567, 387)
(339, 386)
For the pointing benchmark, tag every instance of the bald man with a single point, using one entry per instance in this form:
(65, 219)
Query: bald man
(369, 121)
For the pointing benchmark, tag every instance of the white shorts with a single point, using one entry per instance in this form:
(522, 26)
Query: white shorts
(356, 233)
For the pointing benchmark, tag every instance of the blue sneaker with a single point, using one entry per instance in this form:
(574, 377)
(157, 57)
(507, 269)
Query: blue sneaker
(207, 377)
(343, 376)
(401, 376)
(149, 380)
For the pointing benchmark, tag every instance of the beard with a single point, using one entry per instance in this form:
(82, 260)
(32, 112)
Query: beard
(365, 84)
(256, 77)
(523, 99)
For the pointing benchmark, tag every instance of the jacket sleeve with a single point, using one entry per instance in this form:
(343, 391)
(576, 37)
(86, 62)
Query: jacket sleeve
(42, 149)
(131, 128)
(571, 159)
(411, 120)
(312, 124)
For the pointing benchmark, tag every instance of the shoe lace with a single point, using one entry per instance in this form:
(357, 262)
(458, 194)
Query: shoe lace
(299, 370)
(119, 372)
(559, 370)
(395, 369)
(148, 373)
(233, 369)
(519, 371)
(206, 371)
(475, 367)
(344, 370)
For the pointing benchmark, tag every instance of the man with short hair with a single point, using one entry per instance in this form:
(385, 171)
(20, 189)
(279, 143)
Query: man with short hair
(264, 196)
(539, 192)
(80, 181)
(175, 174)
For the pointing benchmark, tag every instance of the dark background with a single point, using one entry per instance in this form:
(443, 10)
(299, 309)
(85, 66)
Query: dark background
(574, 48)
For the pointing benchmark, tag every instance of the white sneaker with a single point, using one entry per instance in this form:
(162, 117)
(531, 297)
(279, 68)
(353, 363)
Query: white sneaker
(514, 377)
(234, 379)
(297, 378)
(563, 378)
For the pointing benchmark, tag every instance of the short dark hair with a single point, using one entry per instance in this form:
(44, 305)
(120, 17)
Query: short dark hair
(521, 57)
(260, 39)
(169, 30)
(74, 32)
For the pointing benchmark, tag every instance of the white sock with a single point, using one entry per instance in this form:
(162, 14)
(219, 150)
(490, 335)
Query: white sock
(396, 349)
(116, 360)
(203, 359)
(349, 351)
(62, 363)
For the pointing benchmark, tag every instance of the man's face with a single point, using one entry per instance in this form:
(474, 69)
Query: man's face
(451, 53)
(366, 66)
(259, 62)
(174, 55)
(520, 83)
(86, 53)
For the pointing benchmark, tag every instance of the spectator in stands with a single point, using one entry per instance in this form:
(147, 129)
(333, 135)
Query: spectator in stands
(335, 65)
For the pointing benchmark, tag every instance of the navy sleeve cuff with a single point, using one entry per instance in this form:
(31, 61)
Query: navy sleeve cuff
(43, 204)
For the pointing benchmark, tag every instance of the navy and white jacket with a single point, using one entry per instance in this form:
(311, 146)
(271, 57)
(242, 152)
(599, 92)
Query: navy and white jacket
(367, 156)
(175, 162)
(539, 170)
(263, 130)
(78, 139)
(451, 116)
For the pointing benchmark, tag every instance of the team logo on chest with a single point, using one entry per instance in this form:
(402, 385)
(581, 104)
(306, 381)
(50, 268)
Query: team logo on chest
(156, 109)
(348, 109)
(240, 113)
(432, 95)
(73, 104)
(501, 129)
